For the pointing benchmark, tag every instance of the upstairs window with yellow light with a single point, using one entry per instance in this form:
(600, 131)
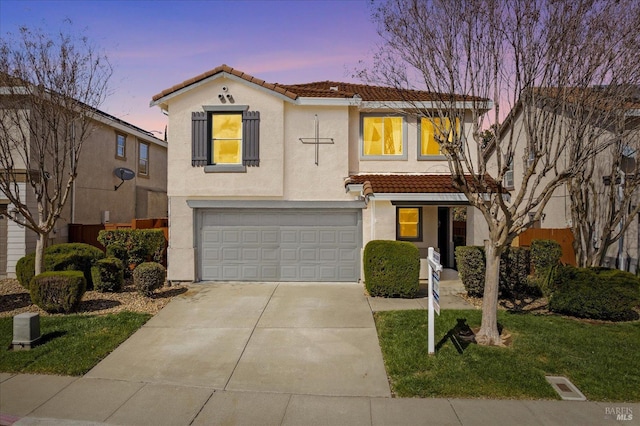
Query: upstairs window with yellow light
(226, 138)
(431, 131)
(383, 137)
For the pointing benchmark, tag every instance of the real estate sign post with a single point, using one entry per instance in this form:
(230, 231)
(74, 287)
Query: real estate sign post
(435, 267)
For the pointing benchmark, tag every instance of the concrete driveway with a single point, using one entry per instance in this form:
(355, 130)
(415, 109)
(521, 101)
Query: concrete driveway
(294, 338)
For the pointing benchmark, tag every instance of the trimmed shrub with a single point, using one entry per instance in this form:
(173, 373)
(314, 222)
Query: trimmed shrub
(391, 268)
(149, 276)
(545, 257)
(108, 274)
(25, 270)
(596, 293)
(134, 246)
(515, 265)
(471, 268)
(60, 257)
(58, 291)
(514, 270)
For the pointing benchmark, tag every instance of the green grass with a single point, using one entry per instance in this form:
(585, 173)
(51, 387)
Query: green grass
(600, 359)
(72, 344)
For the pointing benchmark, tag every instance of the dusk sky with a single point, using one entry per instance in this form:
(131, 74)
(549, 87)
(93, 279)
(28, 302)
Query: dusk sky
(153, 45)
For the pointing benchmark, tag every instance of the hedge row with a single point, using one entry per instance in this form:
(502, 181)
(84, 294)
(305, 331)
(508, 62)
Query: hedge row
(514, 271)
(134, 246)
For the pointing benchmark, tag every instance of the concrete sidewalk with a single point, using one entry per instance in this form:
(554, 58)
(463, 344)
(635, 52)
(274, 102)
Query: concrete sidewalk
(262, 354)
(54, 400)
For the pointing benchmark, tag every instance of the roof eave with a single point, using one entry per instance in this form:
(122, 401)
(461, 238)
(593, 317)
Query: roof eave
(483, 106)
(306, 101)
(163, 101)
(441, 197)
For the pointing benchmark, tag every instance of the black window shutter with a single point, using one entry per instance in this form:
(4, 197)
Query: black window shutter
(251, 138)
(199, 154)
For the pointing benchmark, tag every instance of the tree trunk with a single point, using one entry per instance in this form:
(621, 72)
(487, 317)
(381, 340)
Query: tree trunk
(40, 246)
(488, 334)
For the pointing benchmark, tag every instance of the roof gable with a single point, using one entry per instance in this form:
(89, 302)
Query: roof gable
(320, 89)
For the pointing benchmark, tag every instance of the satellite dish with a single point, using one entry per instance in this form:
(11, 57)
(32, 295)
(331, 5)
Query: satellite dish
(124, 174)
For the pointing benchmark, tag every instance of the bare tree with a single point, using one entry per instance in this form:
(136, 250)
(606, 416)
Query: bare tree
(532, 56)
(604, 194)
(50, 87)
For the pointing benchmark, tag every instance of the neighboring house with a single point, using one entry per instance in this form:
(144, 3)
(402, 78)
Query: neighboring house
(558, 212)
(112, 144)
(271, 182)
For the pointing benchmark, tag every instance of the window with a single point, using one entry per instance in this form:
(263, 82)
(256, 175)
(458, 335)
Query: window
(383, 137)
(508, 176)
(536, 223)
(409, 223)
(225, 139)
(143, 159)
(121, 146)
(431, 131)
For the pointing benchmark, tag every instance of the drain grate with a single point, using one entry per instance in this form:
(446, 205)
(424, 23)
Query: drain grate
(567, 390)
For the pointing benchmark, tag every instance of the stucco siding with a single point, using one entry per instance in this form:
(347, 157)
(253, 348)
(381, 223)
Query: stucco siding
(181, 250)
(304, 180)
(477, 229)
(267, 180)
(95, 185)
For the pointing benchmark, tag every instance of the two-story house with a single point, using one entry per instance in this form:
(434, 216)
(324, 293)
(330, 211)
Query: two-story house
(272, 182)
(112, 145)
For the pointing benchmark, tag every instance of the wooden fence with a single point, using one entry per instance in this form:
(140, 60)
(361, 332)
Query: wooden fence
(563, 236)
(87, 234)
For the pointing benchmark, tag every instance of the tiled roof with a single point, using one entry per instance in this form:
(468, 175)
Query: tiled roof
(321, 89)
(406, 183)
(410, 183)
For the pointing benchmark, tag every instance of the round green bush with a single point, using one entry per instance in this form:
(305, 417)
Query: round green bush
(599, 293)
(73, 257)
(391, 268)
(149, 276)
(58, 291)
(108, 275)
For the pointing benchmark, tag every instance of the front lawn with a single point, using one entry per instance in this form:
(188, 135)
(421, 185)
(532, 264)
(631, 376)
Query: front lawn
(71, 344)
(601, 359)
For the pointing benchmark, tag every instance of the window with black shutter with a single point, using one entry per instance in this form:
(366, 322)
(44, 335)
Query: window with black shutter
(225, 139)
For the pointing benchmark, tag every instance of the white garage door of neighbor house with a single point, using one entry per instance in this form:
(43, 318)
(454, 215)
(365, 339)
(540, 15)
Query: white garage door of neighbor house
(280, 245)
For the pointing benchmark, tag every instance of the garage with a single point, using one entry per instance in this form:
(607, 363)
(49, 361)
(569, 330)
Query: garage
(279, 244)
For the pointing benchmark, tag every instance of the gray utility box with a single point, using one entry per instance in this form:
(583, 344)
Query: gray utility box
(26, 330)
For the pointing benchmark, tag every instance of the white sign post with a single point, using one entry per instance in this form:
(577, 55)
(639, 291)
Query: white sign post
(434, 294)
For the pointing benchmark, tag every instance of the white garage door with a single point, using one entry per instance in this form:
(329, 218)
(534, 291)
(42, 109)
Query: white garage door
(280, 245)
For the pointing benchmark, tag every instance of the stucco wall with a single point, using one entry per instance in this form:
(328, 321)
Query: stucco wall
(181, 250)
(303, 179)
(94, 188)
(267, 180)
